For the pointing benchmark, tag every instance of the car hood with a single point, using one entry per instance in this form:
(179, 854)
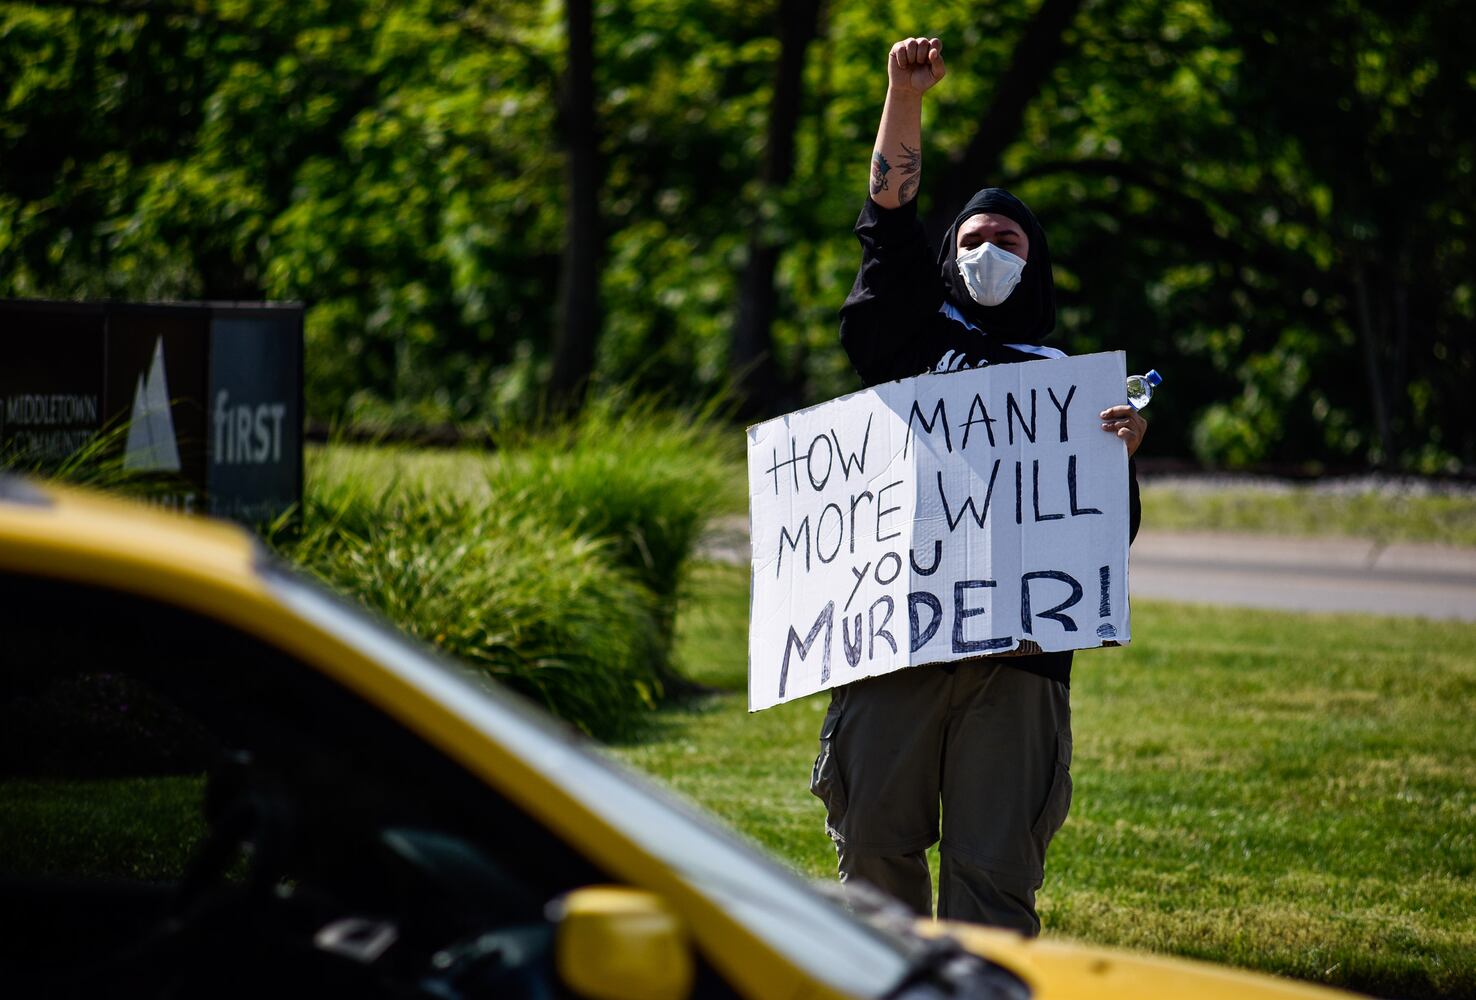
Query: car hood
(1063, 970)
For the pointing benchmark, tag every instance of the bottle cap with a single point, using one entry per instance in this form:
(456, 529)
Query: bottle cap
(1153, 377)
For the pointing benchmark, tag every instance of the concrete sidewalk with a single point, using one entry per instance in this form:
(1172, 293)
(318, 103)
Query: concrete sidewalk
(1265, 571)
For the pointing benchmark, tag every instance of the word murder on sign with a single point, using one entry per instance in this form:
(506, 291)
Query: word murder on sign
(937, 518)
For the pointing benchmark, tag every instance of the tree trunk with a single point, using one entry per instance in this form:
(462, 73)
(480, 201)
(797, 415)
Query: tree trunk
(1040, 49)
(1373, 366)
(758, 380)
(579, 279)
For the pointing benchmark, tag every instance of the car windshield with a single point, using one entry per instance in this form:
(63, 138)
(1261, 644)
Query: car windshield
(813, 932)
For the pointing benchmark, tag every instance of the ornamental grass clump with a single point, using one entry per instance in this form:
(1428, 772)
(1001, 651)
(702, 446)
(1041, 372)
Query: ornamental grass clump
(646, 481)
(544, 610)
(98, 464)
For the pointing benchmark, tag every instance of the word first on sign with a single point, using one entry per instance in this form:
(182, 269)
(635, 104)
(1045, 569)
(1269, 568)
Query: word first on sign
(937, 518)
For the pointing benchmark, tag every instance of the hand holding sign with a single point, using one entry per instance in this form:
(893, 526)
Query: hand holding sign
(1127, 423)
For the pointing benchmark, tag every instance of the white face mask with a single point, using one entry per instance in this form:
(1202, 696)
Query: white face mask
(989, 273)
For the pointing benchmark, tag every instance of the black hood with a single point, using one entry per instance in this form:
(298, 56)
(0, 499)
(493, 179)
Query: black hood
(1029, 315)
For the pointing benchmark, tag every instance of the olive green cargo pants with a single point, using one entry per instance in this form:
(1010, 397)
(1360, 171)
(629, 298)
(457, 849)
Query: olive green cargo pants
(993, 742)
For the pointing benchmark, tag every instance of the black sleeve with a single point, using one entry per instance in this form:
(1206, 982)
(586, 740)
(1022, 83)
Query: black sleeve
(885, 322)
(1135, 505)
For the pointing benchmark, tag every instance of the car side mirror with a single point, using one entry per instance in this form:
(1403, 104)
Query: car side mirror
(618, 943)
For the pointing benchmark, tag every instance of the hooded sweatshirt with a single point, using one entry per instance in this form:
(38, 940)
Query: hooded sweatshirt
(909, 313)
(1028, 316)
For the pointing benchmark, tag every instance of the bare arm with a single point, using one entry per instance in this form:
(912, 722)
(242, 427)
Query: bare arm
(913, 65)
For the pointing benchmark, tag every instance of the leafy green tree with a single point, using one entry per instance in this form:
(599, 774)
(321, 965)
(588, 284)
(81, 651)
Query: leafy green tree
(1271, 204)
(1369, 107)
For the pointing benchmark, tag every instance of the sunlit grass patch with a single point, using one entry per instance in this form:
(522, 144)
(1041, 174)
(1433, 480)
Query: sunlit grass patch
(1381, 516)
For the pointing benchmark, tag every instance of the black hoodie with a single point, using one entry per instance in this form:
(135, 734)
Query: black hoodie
(1029, 315)
(893, 326)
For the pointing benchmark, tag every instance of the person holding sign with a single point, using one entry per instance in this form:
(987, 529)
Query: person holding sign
(988, 738)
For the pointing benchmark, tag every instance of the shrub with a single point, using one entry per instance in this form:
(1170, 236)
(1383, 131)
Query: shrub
(541, 609)
(647, 481)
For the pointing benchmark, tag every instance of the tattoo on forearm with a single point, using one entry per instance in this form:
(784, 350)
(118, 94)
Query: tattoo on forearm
(879, 169)
(910, 167)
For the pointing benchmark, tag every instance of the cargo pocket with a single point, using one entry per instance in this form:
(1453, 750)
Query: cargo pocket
(825, 778)
(1058, 799)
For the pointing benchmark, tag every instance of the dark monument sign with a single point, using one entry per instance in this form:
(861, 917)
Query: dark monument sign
(210, 395)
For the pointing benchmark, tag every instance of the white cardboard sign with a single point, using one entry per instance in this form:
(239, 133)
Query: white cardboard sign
(937, 518)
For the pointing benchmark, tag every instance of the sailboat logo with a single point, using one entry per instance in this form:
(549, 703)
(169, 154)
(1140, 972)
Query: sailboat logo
(151, 444)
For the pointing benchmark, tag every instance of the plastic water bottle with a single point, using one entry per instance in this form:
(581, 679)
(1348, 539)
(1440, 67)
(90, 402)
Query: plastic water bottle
(1140, 388)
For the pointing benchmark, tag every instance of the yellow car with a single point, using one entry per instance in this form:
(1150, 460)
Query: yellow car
(218, 780)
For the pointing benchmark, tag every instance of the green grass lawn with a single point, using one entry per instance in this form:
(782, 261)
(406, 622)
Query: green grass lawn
(141, 829)
(1449, 519)
(1290, 793)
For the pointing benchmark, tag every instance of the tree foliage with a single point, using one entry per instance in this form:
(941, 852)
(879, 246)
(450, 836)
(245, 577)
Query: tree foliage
(1272, 204)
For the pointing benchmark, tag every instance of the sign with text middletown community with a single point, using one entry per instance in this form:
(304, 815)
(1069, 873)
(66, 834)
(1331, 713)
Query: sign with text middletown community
(937, 518)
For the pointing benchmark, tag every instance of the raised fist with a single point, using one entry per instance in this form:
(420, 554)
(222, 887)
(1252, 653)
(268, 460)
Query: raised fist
(915, 64)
